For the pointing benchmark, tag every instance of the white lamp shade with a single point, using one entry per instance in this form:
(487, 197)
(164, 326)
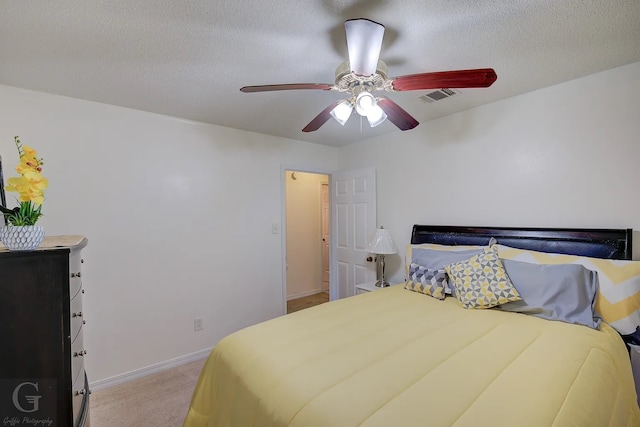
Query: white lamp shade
(342, 112)
(364, 103)
(376, 116)
(381, 243)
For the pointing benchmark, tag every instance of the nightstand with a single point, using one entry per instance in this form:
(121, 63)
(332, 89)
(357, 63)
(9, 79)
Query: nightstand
(366, 287)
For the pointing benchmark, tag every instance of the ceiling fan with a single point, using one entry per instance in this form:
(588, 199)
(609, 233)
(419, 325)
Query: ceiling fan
(364, 73)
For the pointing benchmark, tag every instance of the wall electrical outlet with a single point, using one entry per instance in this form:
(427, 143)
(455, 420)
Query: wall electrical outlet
(198, 324)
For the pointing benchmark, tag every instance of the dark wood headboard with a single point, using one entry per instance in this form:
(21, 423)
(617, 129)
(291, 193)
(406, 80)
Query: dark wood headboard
(598, 243)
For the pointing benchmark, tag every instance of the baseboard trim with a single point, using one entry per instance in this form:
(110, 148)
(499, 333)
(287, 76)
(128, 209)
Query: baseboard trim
(148, 370)
(304, 294)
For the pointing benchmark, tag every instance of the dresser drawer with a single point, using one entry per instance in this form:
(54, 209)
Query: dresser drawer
(75, 273)
(77, 355)
(79, 390)
(77, 316)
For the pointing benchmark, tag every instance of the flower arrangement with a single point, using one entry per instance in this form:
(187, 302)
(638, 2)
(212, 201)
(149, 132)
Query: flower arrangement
(30, 187)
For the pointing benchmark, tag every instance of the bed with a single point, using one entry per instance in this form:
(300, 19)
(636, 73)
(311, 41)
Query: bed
(396, 357)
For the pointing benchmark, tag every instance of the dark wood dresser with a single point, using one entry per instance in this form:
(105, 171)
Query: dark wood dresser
(42, 376)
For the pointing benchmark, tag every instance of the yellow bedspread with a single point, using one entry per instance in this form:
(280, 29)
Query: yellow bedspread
(395, 358)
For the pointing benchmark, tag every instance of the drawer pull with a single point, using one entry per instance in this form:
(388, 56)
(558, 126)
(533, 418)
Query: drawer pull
(78, 314)
(84, 322)
(79, 353)
(83, 291)
(82, 260)
(80, 392)
(78, 274)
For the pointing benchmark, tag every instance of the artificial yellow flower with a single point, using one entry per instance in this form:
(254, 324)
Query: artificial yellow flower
(30, 187)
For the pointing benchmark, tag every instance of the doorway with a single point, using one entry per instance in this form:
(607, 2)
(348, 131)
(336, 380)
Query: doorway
(307, 238)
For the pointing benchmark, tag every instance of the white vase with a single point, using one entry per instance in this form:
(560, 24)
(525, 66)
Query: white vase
(21, 237)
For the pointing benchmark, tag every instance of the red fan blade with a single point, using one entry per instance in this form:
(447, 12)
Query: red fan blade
(483, 77)
(321, 118)
(396, 115)
(290, 86)
(364, 41)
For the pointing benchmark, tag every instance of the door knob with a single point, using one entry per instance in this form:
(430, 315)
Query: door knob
(369, 259)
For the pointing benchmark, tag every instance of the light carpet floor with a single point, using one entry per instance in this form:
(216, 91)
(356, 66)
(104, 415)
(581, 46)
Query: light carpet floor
(157, 400)
(161, 399)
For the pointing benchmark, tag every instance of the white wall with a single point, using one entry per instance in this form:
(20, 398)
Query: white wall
(304, 233)
(564, 156)
(178, 216)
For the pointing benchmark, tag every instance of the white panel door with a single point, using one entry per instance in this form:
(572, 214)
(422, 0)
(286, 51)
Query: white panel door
(325, 236)
(353, 201)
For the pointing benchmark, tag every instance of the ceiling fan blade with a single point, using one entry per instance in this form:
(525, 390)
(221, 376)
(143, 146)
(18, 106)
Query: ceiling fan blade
(482, 77)
(290, 86)
(364, 41)
(321, 118)
(396, 115)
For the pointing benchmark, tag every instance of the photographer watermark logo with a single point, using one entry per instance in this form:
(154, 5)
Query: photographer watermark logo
(28, 402)
(32, 399)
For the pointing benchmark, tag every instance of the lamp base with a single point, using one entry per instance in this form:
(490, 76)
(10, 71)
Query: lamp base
(382, 283)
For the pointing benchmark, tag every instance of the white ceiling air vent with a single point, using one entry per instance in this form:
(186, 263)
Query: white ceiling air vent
(437, 95)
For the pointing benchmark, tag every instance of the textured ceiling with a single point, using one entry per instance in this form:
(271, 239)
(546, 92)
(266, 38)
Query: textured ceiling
(189, 58)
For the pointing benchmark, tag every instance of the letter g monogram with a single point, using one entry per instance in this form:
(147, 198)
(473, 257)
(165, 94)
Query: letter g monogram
(33, 400)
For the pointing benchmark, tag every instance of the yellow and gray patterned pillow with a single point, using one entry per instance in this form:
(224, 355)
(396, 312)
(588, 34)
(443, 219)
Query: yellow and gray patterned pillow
(481, 281)
(427, 281)
(619, 292)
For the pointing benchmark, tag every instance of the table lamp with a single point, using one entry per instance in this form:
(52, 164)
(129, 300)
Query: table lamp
(381, 244)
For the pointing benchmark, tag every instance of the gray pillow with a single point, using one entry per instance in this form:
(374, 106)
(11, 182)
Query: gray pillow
(436, 260)
(564, 292)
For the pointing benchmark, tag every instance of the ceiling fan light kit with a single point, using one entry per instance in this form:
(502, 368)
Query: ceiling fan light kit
(365, 105)
(364, 73)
